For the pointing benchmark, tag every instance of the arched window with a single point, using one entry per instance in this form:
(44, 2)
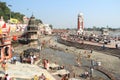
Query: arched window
(6, 51)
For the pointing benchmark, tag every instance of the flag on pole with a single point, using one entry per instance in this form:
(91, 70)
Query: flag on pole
(4, 25)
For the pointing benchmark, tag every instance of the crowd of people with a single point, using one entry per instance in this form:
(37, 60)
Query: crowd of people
(95, 39)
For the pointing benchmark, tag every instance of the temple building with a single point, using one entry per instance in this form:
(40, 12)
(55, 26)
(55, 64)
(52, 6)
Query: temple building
(32, 31)
(5, 41)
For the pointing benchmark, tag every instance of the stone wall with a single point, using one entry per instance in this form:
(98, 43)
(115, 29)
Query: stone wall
(79, 45)
(106, 50)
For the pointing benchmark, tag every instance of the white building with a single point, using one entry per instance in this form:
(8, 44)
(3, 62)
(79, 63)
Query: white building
(48, 29)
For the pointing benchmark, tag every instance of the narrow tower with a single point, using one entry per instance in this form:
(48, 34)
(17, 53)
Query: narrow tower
(80, 23)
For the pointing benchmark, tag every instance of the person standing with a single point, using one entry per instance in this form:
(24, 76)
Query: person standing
(116, 46)
(44, 61)
(78, 61)
(35, 58)
(35, 77)
(14, 59)
(4, 66)
(42, 77)
(32, 59)
(91, 51)
(47, 64)
(65, 77)
(21, 57)
(7, 77)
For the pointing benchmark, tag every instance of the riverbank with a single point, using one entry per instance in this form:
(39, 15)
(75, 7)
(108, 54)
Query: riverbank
(109, 62)
(24, 71)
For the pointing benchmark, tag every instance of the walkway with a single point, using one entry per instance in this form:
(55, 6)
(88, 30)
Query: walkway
(26, 71)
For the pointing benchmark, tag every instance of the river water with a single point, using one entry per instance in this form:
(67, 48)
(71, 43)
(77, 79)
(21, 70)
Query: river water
(69, 61)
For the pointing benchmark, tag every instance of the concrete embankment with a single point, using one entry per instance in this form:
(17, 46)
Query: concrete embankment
(110, 63)
(108, 50)
(23, 71)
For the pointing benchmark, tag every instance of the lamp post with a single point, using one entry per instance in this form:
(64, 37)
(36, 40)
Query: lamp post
(92, 68)
(39, 46)
(91, 72)
(29, 11)
(10, 10)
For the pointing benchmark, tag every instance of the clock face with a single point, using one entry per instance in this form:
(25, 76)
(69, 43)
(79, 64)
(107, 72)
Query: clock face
(80, 19)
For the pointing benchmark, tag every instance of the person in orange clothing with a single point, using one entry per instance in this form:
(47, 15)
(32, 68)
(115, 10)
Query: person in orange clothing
(65, 77)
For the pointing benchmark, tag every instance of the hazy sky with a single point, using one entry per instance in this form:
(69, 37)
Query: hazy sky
(63, 13)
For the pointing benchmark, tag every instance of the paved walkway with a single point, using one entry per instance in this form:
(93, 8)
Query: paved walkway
(26, 71)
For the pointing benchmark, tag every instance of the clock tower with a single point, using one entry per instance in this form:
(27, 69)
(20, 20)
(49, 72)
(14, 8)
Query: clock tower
(80, 23)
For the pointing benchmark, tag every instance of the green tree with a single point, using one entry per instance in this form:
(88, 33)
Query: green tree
(38, 21)
(5, 12)
(94, 28)
(51, 26)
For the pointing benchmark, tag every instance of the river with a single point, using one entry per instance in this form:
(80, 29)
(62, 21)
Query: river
(69, 61)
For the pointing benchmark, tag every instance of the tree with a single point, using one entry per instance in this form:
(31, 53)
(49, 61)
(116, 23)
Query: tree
(51, 26)
(5, 12)
(94, 28)
(38, 21)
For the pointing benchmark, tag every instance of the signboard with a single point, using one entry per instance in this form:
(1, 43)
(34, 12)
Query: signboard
(13, 20)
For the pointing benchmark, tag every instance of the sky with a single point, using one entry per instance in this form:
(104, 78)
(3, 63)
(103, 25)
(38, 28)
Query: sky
(64, 13)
